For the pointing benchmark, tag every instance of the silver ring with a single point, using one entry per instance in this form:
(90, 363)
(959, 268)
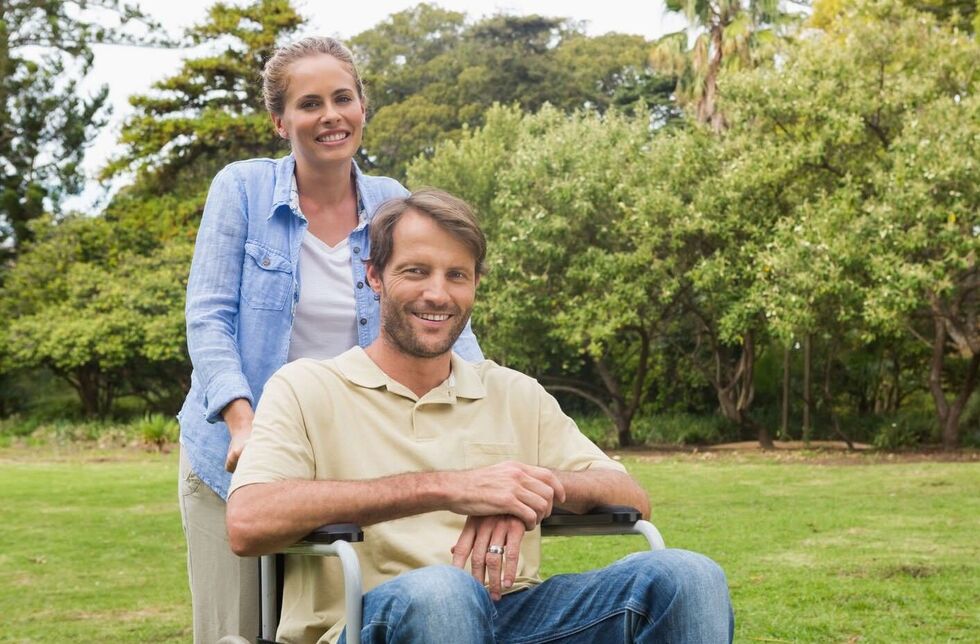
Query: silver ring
(495, 550)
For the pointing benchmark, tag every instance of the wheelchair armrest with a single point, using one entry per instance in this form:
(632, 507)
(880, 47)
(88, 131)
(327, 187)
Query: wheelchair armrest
(350, 532)
(603, 519)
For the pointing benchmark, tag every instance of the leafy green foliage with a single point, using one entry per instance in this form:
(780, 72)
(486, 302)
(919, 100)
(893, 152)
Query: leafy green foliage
(430, 74)
(103, 317)
(874, 147)
(211, 111)
(45, 123)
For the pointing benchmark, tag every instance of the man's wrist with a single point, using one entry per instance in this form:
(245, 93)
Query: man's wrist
(438, 488)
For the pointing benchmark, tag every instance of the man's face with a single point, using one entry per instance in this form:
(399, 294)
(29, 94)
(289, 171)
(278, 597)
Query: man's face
(427, 289)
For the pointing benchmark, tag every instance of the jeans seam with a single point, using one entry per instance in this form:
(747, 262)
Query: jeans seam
(554, 637)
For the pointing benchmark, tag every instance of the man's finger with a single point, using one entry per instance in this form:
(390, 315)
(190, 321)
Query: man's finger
(549, 478)
(461, 551)
(481, 541)
(515, 534)
(495, 559)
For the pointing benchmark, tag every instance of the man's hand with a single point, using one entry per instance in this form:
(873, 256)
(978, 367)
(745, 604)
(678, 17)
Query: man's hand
(494, 570)
(238, 416)
(524, 491)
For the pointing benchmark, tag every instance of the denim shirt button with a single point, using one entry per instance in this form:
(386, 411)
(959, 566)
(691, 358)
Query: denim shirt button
(266, 262)
(360, 285)
(357, 250)
(363, 321)
(377, 297)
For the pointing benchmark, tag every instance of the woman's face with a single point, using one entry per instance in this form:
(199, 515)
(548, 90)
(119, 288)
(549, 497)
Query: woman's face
(323, 116)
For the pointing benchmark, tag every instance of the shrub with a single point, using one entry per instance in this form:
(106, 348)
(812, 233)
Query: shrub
(157, 430)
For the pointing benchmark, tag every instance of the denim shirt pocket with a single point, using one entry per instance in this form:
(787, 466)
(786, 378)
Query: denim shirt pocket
(267, 277)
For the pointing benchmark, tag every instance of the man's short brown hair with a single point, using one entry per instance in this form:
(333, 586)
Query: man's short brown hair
(452, 214)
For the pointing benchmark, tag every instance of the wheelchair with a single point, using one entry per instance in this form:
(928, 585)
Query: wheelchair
(335, 540)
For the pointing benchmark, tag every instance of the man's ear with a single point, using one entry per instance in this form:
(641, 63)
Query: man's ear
(373, 277)
(280, 128)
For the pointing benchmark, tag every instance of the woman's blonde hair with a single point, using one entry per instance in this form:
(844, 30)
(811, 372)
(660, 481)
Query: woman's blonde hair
(275, 74)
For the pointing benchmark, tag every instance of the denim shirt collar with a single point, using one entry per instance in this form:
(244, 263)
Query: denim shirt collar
(286, 194)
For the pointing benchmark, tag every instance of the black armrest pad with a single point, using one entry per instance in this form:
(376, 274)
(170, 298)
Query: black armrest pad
(597, 516)
(336, 532)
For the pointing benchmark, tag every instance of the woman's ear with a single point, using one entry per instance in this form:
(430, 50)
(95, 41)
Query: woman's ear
(278, 124)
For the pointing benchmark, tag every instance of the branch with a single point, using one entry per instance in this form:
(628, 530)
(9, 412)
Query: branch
(598, 402)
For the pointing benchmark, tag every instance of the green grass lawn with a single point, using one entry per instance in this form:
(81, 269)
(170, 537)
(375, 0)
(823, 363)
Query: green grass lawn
(91, 546)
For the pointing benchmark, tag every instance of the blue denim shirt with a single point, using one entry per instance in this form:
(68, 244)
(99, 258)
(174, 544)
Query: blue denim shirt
(242, 294)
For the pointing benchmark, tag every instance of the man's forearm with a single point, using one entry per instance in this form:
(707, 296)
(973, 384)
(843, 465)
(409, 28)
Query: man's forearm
(588, 488)
(267, 517)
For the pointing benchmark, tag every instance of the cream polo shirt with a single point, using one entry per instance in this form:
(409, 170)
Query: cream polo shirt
(346, 419)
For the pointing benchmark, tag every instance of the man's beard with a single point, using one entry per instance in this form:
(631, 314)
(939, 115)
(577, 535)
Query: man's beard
(396, 328)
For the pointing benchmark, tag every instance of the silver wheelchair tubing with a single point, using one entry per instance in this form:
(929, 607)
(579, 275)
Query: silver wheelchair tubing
(352, 580)
(650, 531)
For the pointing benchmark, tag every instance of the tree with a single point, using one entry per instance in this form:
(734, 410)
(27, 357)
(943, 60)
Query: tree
(105, 319)
(99, 300)
(864, 243)
(731, 32)
(927, 216)
(45, 124)
(583, 268)
(429, 73)
(211, 111)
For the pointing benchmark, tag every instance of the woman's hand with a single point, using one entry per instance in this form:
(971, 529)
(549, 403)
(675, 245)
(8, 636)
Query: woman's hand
(238, 416)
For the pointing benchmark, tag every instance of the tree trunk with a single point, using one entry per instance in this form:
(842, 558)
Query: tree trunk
(735, 396)
(828, 401)
(807, 386)
(620, 408)
(948, 414)
(784, 414)
(707, 111)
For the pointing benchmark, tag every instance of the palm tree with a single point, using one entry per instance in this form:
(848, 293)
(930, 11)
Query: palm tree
(730, 31)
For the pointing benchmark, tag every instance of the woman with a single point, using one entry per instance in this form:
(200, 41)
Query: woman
(277, 275)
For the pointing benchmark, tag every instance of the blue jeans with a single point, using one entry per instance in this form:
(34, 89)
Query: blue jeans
(662, 596)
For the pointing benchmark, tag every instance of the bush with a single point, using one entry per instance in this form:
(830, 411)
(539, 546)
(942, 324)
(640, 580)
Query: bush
(157, 430)
(659, 429)
(684, 429)
(905, 429)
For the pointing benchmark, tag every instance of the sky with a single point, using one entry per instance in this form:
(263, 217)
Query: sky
(132, 70)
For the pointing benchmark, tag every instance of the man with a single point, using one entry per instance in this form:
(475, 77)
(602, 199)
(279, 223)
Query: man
(446, 463)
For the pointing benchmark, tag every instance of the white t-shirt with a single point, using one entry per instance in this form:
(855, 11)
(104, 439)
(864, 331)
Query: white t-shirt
(325, 324)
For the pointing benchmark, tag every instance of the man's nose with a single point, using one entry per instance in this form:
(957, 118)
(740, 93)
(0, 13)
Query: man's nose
(435, 291)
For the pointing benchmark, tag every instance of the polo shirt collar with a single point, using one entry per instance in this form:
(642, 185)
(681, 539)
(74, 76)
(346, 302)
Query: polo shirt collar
(358, 368)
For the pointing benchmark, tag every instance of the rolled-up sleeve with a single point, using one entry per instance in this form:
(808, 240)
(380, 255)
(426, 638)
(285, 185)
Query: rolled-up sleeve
(214, 293)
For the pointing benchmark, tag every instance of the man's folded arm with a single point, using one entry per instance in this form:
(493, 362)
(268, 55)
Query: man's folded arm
(586, 489)
(267, 517)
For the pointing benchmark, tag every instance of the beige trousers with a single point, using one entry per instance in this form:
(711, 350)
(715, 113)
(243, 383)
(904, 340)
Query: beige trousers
(224, 586)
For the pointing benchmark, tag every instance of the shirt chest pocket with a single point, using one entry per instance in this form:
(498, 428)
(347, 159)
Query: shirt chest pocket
(485, 454)
(267, 277)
